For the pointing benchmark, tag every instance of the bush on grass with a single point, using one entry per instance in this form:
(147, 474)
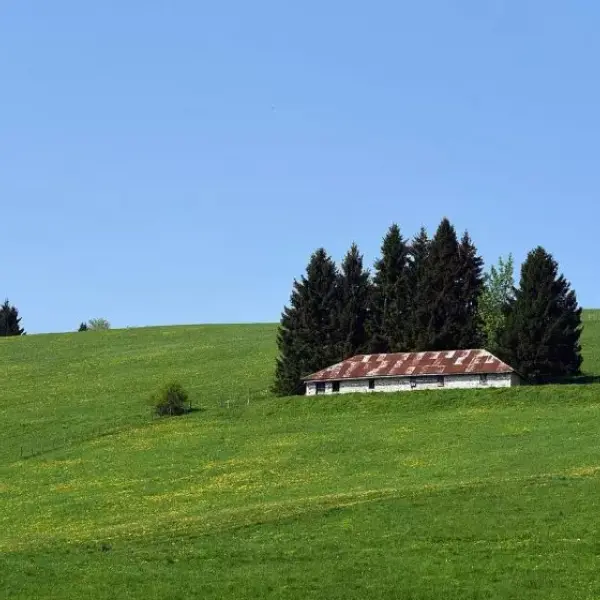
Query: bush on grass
(99, 324)
(171, 401)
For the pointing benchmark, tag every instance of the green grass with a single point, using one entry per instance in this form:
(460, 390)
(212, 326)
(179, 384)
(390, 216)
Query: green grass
(590, 341)
(66, 388)
(450, 494)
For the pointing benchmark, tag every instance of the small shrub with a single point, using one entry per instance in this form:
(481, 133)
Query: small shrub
(171, 401)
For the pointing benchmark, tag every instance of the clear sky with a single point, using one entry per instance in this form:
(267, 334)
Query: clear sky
(178, 162)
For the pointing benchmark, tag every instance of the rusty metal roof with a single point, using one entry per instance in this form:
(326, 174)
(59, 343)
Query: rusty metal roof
(412, 364)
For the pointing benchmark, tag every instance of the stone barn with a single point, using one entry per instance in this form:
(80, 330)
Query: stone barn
(407, 371)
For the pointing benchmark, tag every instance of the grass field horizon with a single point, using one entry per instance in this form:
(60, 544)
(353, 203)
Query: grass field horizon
(454, 494)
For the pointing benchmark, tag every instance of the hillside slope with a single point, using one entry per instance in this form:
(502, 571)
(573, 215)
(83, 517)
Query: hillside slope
(68, 387)
(454, 494)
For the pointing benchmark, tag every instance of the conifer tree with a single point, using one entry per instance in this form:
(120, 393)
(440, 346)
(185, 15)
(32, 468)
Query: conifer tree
(307, 338)
(389, 307)
(83, 326)
(543, 323)
(354, 289)
(471, 288)
(418, 253)
(438, 311)
(10, 320)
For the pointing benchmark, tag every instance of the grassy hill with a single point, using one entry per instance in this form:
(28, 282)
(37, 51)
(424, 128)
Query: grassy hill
(450, 494)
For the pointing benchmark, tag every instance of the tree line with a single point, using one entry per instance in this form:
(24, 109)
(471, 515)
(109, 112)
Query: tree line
(10, 322)
(429, 294)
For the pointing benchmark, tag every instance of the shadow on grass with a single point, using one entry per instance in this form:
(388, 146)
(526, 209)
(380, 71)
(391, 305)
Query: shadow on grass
(188, 411)
(586, 379)
(581, 379)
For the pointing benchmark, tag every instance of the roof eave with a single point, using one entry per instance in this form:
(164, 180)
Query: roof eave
(367, 377)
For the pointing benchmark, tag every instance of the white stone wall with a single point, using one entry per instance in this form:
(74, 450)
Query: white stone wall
(402, 384)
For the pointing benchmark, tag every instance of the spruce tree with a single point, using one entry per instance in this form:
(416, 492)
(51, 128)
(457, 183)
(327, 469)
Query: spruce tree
(389, 307)
(354, 289)
(471, 288)
(438, 314)
(83, 326)
(418, 256)
(307, 338)
(10, 320)
(543, 323)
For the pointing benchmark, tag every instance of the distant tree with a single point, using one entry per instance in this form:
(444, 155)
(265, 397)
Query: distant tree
(390, 299)
(83, 327)
(307, 338)
(543, 323)
(471, 287)
(498, 292)
(354, 289)
(438, 316)
(418, 253)
(99, 324)
(10, 320)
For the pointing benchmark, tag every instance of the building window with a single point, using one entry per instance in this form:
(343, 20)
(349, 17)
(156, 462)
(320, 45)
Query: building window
(440, 381)
(483, 379)
(335, 387)
(413, 382)
(321, 387)
(371, 384)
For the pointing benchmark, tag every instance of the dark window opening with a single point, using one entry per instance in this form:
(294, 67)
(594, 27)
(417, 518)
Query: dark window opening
(413, 382)
(336, 386)
(371, 384)
(483, 378)
(440, 381)
(320, 388)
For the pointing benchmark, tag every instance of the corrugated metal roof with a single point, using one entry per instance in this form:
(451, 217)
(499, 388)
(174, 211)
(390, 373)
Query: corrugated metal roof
(406, 364)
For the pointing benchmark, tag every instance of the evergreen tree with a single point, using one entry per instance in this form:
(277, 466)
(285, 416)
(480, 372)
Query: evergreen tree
(543, 324)
(83, 327)
(471, 288)
(389, 307)
(10, 320)
(498, 292)
(438, 313)
(354, 289)
(418, 253)
(307, 338)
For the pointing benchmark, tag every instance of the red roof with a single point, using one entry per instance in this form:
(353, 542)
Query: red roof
(405, 364)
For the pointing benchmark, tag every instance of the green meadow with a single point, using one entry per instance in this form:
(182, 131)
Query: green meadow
(442, 494)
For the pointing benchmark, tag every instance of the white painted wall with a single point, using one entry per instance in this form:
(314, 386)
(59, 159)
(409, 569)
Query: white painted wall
(403, 384)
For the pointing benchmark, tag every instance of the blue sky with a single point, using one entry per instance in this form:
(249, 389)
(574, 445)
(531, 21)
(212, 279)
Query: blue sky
(178, 162)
